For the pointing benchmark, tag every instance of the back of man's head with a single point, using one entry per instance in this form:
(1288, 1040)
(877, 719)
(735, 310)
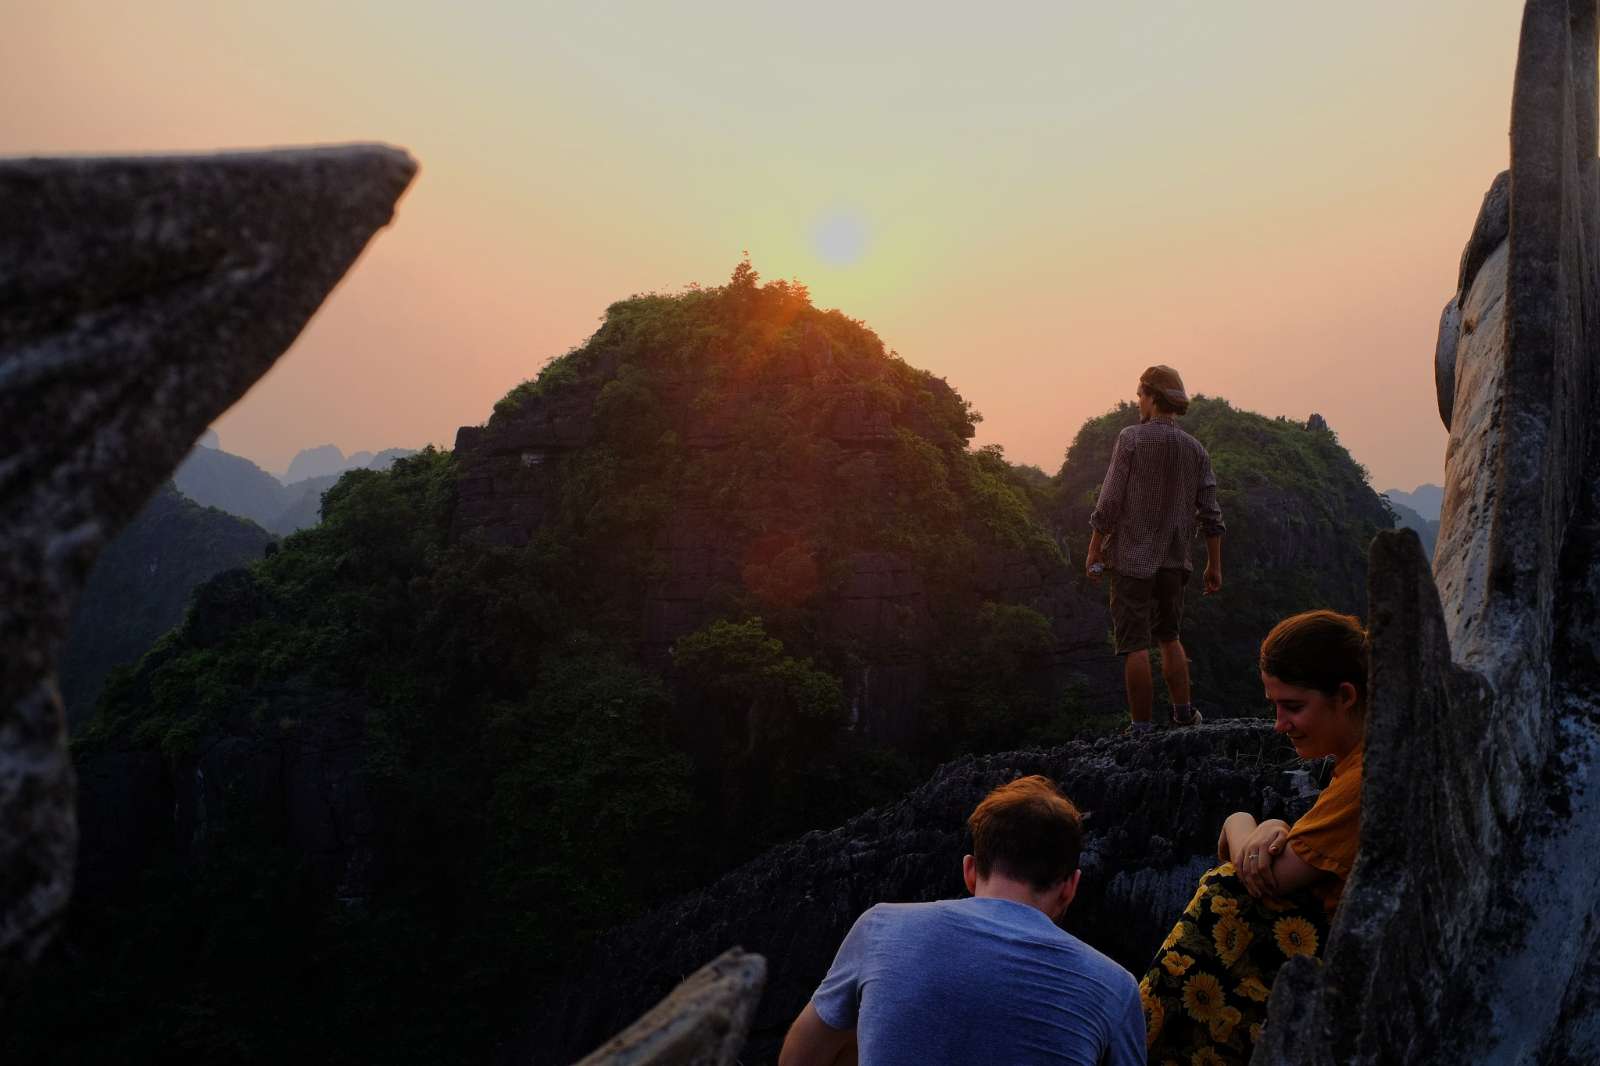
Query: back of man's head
(1166, 388)
(1027, 831)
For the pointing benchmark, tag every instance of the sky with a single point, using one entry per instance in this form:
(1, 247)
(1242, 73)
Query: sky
(1032, 200)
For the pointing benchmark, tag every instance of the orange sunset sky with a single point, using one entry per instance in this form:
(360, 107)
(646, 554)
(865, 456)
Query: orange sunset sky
(1033, 200)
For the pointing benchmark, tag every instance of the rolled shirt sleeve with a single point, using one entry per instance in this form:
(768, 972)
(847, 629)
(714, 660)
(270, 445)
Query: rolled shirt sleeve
(1206, 510)
(837, 999)
(1108, 507)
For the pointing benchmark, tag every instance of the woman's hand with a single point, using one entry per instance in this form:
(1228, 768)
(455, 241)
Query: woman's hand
(1235, 829)
(1258, 853)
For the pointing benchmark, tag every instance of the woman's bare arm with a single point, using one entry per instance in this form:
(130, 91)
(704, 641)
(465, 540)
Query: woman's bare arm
(1288, 873)
(1236, 829)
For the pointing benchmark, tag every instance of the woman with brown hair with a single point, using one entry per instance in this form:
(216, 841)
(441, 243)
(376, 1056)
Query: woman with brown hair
(1205, 995)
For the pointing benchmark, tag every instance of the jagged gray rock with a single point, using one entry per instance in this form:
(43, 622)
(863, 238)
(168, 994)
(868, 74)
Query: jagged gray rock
(1469, 928)
(139, 298)
(703, 1021)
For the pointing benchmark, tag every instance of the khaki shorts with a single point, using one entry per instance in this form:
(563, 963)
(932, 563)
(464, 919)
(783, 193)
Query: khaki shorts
(1146, 610)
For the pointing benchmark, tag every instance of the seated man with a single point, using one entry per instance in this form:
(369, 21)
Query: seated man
(991, 979)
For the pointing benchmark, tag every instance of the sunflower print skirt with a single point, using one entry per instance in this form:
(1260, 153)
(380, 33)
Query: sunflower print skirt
(1205, 997)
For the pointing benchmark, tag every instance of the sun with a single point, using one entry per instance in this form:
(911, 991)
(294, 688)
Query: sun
(839, 238)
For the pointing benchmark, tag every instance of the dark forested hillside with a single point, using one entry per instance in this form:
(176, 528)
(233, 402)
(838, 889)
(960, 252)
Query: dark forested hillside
(140, 584)
(727, 572)
(1299, 512)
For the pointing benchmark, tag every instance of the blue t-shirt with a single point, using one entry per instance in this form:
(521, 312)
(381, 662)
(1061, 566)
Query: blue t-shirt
(974, 981)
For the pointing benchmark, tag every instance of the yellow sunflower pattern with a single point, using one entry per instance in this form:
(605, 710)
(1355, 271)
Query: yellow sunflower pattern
(1295, 936)
(1231, 936)
(1202, 997)
(1205, 995)
(1224, 905)
(1254, 988)
(1155, 1016)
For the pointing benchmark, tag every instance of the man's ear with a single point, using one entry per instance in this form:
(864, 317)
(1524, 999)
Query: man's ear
(1069, 890)
(969, 873)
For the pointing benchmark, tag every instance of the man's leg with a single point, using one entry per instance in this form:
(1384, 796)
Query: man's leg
(1141, 687)
(1130, 624)
(1168, 595)
(1175, 670)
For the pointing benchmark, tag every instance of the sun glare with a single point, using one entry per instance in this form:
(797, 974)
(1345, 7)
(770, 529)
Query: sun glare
(839, 238)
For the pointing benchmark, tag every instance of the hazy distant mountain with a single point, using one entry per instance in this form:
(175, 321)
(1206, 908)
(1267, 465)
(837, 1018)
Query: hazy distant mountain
(1425, 500)
(385, 459)
(1407, 518)
(327, 459)
(140, 585)
(320, 461)
(232, 483)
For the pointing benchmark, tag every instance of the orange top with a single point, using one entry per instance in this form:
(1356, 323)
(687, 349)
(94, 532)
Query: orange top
(1330, 832)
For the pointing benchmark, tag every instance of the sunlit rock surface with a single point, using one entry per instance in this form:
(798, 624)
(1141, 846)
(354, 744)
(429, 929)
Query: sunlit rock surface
(139, 298)
(702, 1022)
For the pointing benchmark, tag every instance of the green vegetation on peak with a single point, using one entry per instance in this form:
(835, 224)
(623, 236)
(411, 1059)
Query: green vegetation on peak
(747, 402)
(739, 333)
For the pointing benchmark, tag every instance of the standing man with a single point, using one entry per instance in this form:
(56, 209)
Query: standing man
(1158, 488)
(990, 979)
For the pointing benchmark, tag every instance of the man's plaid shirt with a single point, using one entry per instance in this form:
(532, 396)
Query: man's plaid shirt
(1158, 487)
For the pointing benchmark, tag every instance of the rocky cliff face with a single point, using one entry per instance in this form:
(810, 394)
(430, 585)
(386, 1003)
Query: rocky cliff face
(1152, 810)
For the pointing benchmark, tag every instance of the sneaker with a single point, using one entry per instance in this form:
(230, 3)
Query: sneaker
(1194, 718)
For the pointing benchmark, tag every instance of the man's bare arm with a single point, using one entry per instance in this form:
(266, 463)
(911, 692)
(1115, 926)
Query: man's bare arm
(1213, 574)
(1095, 556)
(813, 1042)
